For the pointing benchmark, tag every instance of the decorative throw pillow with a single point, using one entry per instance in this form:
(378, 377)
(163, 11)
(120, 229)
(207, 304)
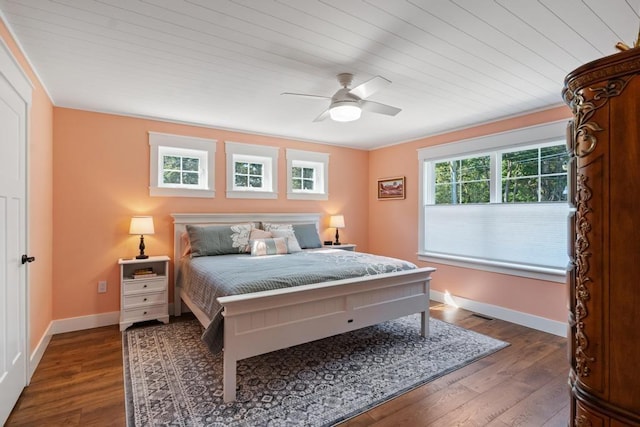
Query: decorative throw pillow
(219, 239)
(269, 226)
(307, 235)
(289, 235)
(274, 246)
(256, 233)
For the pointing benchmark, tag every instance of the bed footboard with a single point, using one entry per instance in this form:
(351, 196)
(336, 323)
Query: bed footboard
(261, 322)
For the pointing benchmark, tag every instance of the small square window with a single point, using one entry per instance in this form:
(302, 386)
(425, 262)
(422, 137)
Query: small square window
(308, 175)
(251, 171)
(181, 166)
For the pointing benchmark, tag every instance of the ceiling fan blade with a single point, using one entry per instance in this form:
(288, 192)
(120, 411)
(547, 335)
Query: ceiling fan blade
(376, 107)
(306, 95)
(322, 116)
(368, 88)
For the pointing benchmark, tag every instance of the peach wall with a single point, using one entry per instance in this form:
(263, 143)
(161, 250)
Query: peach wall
(39, 157)
(84, 187)
(101, 179)
(393, 227)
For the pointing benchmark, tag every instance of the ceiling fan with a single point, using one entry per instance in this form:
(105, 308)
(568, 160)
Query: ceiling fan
(347, 104)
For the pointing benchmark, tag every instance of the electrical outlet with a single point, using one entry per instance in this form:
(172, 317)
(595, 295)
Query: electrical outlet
(102, 286)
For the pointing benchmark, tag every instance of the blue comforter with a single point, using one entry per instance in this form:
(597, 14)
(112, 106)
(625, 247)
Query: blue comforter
(207, 278)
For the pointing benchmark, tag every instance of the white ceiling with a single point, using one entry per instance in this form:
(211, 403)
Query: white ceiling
(224, 63)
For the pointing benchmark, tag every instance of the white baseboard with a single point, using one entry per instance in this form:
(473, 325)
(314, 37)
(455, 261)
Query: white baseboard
(529, 320)
(36, 355)
(72, 324)
(80, 323)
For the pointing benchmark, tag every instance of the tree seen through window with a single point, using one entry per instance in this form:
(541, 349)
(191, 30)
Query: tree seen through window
(535, 175)
(303, 178)
(180, 170)
(531, 175)
(463, 180)
(248, 174)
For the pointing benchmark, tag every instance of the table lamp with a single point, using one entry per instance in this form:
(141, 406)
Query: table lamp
(141, 225)
(337, 222)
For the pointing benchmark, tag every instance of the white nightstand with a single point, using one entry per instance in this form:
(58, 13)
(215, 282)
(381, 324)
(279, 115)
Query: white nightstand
(143, 297)
(345, 247)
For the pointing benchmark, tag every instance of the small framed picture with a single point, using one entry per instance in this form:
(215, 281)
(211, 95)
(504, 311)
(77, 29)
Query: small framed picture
(391, 188)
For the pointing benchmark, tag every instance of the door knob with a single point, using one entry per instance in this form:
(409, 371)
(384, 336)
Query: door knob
(26, 259)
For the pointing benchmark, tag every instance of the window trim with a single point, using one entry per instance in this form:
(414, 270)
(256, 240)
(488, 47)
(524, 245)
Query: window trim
(320, 162)
(533, 135)
(270, 155)
(181, 142)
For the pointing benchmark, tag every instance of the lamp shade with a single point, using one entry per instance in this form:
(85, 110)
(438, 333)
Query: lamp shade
(345, 112)
(141, 225)
(336, 221)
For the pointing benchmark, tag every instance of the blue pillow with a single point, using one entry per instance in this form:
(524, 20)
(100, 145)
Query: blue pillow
(219, 239)
(307, 235)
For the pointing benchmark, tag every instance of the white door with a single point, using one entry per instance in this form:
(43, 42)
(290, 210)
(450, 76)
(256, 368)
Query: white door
(13, 347)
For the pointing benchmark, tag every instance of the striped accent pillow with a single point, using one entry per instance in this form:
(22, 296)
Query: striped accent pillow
(275, 246)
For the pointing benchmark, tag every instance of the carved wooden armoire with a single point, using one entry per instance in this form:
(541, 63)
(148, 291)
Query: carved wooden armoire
(603, 140)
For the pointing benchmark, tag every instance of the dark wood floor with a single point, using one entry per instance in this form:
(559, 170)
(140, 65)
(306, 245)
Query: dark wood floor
(79, 383)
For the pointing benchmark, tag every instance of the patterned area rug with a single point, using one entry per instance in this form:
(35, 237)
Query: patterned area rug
(171, 379)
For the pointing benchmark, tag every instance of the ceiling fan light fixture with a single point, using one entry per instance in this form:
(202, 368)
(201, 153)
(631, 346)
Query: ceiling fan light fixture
(345, 112)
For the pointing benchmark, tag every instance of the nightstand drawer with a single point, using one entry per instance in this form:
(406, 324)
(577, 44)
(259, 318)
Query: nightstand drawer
(145, 299)
(140, 285)
(145, 313)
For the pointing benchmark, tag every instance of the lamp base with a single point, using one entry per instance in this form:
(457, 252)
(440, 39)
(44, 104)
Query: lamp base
(141, 247)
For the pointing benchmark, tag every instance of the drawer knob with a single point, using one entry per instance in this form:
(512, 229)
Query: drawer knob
(144, 286)
(144, 299)
(144, 312)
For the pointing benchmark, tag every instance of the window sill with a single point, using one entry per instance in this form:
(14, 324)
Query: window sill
(307, 196)
(251, 194)
(180, 192)
(532, 272)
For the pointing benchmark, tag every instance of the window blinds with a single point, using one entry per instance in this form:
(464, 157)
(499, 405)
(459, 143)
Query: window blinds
(533, 235)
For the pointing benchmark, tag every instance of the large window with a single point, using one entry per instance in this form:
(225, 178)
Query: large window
(307, 175)
(251, 171)
(181, 166)
(497, 203)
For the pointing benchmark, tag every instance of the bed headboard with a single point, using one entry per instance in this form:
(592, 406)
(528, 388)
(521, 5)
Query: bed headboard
(180, 221)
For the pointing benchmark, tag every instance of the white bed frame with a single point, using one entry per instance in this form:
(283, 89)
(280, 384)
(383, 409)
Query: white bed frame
(262, 322)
